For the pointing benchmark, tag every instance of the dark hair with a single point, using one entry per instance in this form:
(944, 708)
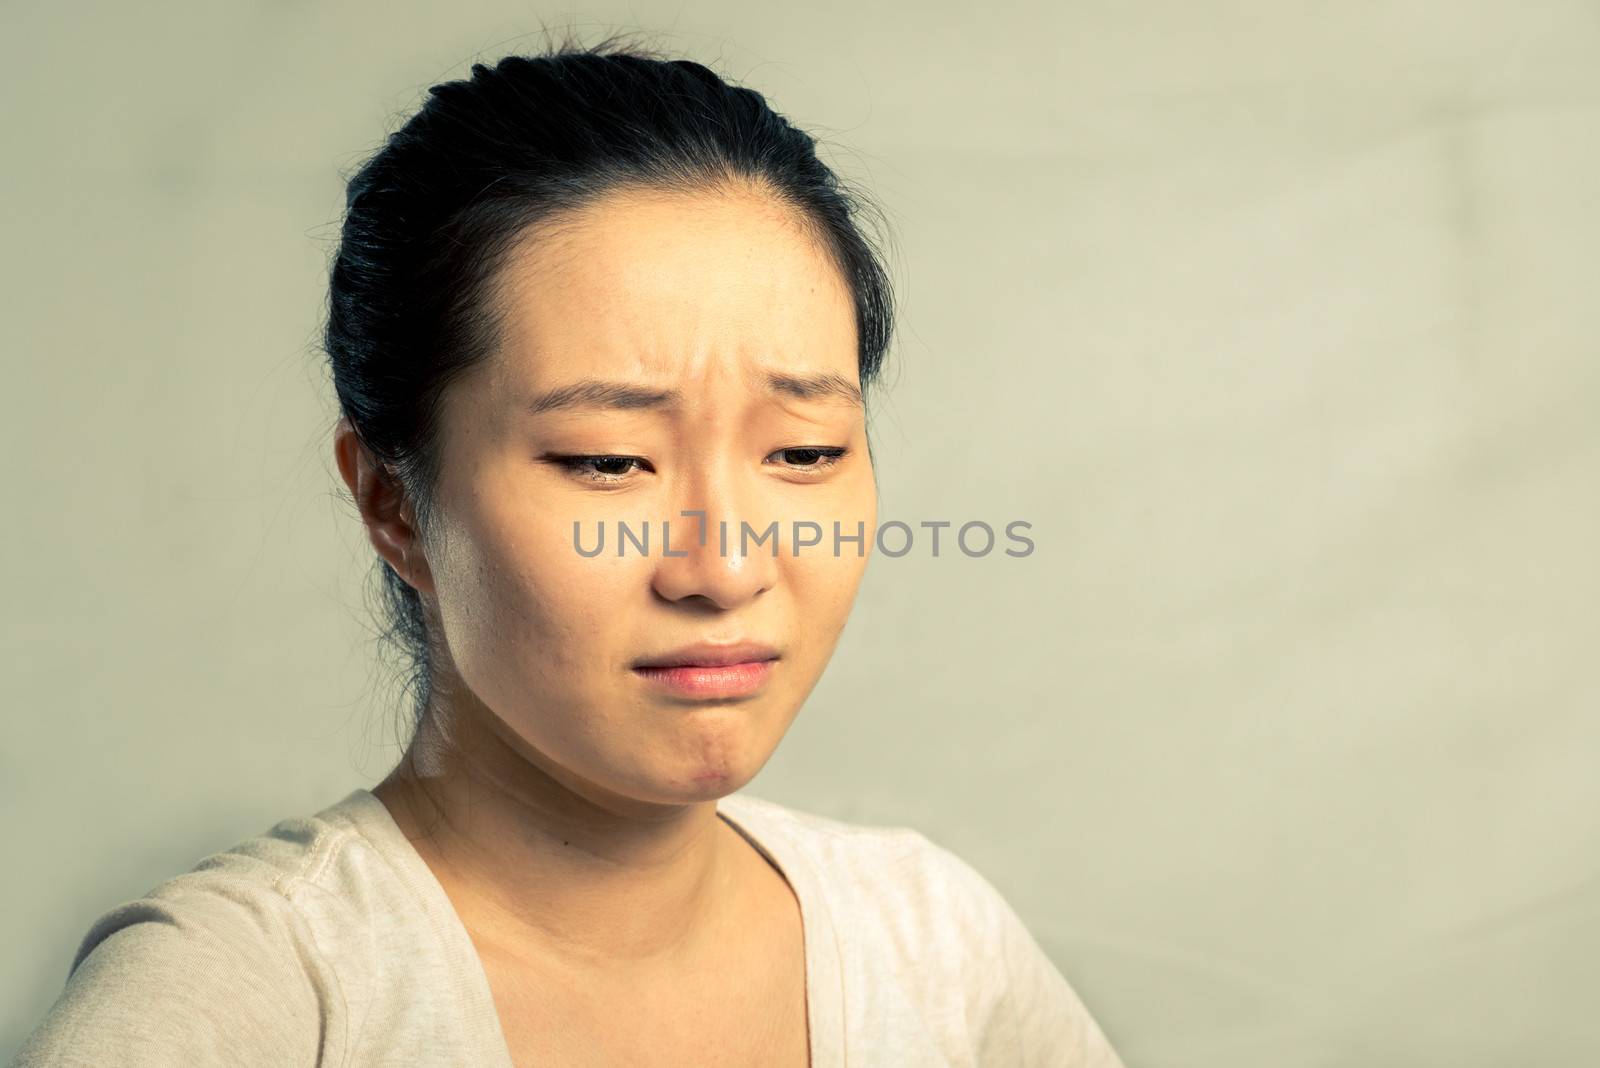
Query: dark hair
(430, 217)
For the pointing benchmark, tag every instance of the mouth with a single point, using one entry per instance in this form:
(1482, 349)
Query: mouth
(704, 682)
(710, 671)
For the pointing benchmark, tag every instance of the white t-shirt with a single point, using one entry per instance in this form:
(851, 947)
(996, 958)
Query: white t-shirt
(328, 941)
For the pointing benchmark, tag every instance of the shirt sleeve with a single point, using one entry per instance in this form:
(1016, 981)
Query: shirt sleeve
(186, 976)
(1051, 1024)
(1035, 1019)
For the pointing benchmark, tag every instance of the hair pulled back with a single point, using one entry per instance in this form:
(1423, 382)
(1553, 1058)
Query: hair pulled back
(431, 216)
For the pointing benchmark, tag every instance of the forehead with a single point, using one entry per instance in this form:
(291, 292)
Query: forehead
(665, 285)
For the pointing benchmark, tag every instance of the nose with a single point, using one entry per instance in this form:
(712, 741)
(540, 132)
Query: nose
(714, 561)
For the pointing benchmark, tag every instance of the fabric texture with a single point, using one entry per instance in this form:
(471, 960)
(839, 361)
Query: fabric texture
(327, 941)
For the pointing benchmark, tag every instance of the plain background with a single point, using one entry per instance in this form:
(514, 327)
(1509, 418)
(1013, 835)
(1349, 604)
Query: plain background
(1277, 321)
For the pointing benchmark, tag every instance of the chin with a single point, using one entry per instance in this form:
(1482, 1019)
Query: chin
(710, 780)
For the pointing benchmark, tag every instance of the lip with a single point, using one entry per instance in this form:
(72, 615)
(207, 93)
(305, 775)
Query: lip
(707, 670)
(710, 655)
(703, 683)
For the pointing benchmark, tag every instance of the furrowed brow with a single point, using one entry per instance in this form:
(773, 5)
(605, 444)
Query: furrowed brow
(593, 393)
(626, 396)
(828, 386)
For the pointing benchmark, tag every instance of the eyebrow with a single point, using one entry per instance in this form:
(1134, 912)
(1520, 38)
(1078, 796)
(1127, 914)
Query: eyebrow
(625, 396)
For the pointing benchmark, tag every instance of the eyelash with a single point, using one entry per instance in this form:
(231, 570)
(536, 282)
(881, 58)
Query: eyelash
(827, 457)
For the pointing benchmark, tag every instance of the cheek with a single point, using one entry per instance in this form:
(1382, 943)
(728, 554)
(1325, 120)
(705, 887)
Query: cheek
(824, 588)
(521, 607)
(856, 510)
(826, 581)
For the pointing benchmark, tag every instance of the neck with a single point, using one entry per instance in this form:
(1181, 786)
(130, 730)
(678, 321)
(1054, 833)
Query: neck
(544, 867)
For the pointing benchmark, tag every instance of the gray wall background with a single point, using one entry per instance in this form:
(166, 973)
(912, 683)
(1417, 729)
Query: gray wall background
(1276, 320)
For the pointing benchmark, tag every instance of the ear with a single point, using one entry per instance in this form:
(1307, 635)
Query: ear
(388, 513)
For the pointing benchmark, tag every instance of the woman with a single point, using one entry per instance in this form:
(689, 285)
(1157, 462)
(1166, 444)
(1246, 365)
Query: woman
(579, 297)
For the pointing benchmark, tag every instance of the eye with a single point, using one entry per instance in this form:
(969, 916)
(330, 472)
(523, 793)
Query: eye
(600, 468)
(808, 459)
(811, 458)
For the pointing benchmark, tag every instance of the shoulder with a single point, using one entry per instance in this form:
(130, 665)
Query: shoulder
(226, 957)
(264, 890)
(912, 912)
(894, 872)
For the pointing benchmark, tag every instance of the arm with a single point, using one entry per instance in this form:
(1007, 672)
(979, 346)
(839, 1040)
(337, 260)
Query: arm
(1025, 1014)
(1049, 1022)
(191, 975)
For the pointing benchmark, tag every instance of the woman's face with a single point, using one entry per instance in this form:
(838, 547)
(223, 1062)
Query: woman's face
(722, 306)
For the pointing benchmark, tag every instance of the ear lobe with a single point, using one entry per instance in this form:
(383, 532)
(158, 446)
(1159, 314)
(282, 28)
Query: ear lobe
(385, 509)
(414, 561)
(391, 527)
